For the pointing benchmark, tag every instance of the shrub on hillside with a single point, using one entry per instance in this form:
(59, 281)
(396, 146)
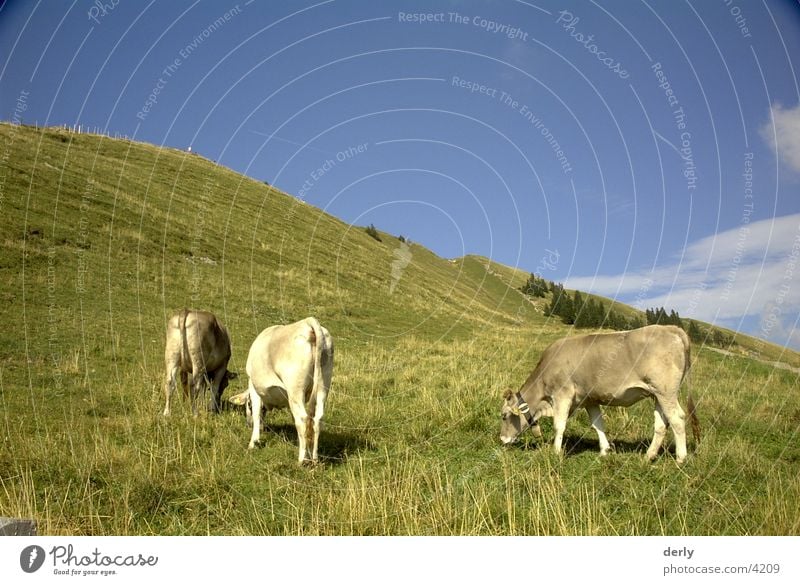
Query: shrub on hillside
(372, 232)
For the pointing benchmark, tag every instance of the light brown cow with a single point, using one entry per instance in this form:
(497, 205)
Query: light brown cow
(290, 366)
(609, 369)
(198, 348)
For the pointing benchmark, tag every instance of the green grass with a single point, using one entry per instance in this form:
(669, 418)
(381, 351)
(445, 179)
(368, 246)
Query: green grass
(103, 239)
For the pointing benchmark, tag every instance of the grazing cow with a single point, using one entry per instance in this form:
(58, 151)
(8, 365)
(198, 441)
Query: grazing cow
(198, 349)
(290, 366)
(610, 369)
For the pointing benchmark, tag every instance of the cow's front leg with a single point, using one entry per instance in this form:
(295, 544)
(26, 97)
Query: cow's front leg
(596, 416)
(255, 406)
(560, 416)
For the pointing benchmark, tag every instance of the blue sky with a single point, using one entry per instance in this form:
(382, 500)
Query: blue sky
(655, 146)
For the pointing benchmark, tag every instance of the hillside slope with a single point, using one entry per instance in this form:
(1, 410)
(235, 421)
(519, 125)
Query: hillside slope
(103, 239)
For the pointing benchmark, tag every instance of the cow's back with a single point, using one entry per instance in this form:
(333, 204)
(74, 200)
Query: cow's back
(660, 350)
(197, 337)
(281, 355)
(605, 362)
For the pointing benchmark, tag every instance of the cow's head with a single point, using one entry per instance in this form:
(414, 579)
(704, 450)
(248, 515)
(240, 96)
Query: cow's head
(516, 417)
(226, 380)
(243, 399)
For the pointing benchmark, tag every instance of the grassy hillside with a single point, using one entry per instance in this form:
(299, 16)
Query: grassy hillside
(103, 239)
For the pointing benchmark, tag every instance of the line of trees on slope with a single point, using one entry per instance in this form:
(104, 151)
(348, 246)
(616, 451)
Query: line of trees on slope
(584, 311)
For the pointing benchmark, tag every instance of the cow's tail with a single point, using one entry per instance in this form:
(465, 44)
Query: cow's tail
(690, 405)
(186, 359)
(317, 346)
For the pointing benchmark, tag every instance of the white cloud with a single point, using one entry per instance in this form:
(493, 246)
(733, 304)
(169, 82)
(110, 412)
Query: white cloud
(753, 270)
(782, 134)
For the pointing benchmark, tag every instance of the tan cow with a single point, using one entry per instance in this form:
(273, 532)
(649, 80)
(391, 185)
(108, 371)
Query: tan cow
(290, 366)
(609, 369)
(198, 349)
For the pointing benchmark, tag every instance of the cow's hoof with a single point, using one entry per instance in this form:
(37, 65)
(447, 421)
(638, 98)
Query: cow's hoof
(252, 445)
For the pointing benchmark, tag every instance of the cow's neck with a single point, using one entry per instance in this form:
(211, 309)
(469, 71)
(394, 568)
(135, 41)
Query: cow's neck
(525, 409)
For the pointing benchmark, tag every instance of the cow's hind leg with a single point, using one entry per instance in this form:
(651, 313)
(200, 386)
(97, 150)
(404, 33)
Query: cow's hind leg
(314, 423)
(185, 384)
(196, 383)
(659, 432)
(675, 417)
(596, 415)
(301, 421)
(169, 387)
(254, 400)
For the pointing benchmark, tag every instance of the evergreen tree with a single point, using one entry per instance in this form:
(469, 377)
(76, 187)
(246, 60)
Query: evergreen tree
(535, 286)
(592, 314)
(568, 310)
(555, 307)
(695, 333)
(577, 309)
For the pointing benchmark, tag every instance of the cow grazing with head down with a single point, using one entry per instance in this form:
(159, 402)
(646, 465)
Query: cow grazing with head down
(290, 366)
(198, 349)
(609, 369)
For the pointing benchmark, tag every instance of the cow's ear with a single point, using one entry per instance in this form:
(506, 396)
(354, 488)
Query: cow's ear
(239, 399)
(508, 394)
(231, 375)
